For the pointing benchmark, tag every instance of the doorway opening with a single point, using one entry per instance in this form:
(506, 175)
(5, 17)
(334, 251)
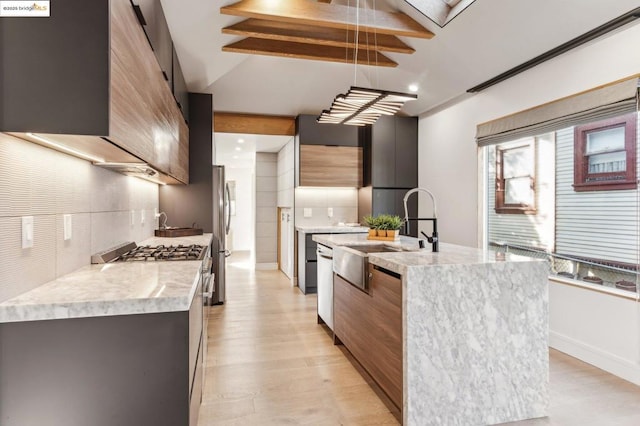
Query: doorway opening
(259, 171)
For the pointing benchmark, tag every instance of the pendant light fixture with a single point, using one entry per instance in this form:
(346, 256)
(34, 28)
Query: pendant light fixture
(361, 106)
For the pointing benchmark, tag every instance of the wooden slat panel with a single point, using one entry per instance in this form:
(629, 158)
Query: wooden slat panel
(328, 15)
(322, 165)
(307, 51)
(285, 31)
(370, 326)
(231, 122)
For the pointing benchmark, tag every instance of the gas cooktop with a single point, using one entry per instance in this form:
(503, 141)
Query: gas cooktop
(130, 252)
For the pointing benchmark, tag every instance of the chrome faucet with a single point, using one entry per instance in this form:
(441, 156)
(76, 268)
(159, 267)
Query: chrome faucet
(433, 239)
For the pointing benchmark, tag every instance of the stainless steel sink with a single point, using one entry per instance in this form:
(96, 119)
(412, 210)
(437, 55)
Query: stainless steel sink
(351, 262)
(373, 248)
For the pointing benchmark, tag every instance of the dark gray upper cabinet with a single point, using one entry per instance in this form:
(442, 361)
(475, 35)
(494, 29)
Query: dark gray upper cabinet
(180, 91)
(55, 71)
(391, 152)
(391, 201)
(383, 152)
(310, 132)
(406, 153)
(157, 32)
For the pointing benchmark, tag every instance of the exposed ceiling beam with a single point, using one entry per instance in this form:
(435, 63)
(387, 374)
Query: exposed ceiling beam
(254, 124)
(324, 1)
(328, 15)
(285, 31)
(287, 49)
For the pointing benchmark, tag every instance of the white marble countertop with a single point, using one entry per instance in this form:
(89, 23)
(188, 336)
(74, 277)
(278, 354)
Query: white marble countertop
(119, 288)
(412, 256)
(331, 229)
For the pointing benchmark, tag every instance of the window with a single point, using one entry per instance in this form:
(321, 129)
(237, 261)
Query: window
(591, 235)
(515, 178)
(605, 155)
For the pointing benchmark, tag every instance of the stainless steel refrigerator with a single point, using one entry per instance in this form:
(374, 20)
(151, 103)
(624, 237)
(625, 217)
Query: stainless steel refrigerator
(221, 223)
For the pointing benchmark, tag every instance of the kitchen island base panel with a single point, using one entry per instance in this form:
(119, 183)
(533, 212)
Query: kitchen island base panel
(125, 370)
(369, 324)
(476, 343)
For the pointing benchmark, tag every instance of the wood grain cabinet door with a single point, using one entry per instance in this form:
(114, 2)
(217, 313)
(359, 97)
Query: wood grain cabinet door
(322, 165)
(370, 326)
(144, 117)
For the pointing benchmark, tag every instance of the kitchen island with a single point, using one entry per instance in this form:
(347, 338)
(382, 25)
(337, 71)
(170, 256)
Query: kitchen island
(474, 327)
(306, 277)
(117, 343)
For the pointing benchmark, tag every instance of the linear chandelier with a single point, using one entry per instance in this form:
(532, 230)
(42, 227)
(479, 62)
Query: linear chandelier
(360, 106)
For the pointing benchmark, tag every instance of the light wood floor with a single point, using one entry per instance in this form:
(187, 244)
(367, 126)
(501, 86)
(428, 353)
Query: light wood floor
(269, 363)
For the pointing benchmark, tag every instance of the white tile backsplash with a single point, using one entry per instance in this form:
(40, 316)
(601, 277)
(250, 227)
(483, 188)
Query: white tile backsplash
(46, 184)
(76, 252)
(343, 201)
(24, 269)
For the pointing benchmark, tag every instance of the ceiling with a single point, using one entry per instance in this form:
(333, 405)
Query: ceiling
(488, 38)
(239, 150)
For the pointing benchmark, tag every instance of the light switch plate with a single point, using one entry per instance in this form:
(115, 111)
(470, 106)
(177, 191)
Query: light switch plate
(142, 217)
(330, 211)
(27, 232)
(66, 226)
(307, 212)
(133, 217)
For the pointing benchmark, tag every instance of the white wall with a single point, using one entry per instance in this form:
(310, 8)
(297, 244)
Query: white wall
(448, 162)
(266, 210)
(242, 224)
(601, 329)
(46, 184)
(286, 175)
(447, 151)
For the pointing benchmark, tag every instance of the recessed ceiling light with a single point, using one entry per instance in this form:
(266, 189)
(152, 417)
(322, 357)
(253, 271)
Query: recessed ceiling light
(240, 140)
(238, 148)
(413, 87)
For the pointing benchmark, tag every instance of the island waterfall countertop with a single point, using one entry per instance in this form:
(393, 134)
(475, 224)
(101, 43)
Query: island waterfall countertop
(475, 332)
(119, 288)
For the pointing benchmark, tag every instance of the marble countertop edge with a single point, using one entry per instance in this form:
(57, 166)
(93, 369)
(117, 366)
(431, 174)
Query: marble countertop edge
(90, 309)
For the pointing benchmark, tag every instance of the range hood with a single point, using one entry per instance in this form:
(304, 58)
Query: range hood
(139, 170)
(100, 152)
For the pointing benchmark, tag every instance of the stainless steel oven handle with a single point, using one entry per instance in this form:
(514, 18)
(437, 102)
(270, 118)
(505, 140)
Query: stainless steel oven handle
(208, 287)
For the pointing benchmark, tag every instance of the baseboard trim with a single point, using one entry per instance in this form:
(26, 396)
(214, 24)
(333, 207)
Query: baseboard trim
(266, 266)
(604, 360)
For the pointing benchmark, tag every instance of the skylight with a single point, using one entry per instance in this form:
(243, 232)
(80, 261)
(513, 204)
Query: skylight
(440, 11)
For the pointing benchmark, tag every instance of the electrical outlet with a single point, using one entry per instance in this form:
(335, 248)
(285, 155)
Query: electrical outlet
(307, 212)
(330, 211)
(27, 232)
(133, 217)
(142, 218)
(66, 226)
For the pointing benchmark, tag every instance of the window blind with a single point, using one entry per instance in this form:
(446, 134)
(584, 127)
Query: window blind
(604, 102)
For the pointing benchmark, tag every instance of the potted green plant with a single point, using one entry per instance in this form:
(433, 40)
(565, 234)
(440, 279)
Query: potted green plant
(393, 224)
(372, 223)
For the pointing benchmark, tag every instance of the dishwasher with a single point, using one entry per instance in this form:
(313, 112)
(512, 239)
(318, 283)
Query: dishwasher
(325, 285)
